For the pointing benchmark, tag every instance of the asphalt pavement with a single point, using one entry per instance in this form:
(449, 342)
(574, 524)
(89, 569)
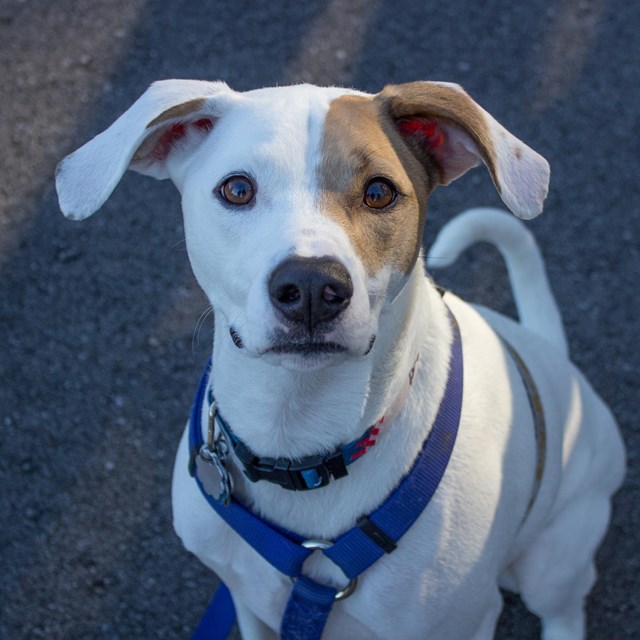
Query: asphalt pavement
(102, 332)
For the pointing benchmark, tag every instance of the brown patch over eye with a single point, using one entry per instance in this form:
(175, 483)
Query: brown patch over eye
(360, 149)
(379, 193)
(237, 190)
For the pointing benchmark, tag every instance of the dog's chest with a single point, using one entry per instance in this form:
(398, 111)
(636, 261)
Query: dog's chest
(402, 595)
(429, 568)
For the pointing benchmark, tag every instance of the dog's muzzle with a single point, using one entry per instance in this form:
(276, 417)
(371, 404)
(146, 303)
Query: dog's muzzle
(310, 292)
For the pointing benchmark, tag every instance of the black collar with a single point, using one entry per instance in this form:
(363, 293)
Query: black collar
(299, 474)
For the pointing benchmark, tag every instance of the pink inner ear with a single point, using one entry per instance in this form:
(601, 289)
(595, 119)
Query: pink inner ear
(429, 130)
(204, 124)
(172, 136)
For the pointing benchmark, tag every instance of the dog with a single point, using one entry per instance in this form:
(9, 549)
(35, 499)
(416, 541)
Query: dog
(304, 210)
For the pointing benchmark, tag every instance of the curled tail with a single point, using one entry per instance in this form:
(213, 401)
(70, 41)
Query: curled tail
(533, 297)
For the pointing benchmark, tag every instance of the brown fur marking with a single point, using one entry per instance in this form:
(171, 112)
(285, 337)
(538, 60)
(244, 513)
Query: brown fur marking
(179, 111)
(360, 143)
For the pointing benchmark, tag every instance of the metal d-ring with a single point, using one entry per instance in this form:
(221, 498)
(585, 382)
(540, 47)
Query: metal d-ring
(320, 545)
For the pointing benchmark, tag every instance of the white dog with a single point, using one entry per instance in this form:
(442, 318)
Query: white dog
(304, 212)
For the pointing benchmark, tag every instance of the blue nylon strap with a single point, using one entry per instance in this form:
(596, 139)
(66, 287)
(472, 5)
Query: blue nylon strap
(273, 545)
(354, 551)
(307, 610)
(283, 553)
(218, 619)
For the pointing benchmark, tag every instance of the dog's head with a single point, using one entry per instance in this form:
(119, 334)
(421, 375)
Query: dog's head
(304, 207)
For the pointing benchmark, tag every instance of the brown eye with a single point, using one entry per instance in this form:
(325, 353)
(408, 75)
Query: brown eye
(379, 193)
(238, 190)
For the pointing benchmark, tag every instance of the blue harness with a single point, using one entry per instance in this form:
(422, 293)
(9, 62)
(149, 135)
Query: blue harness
(374, 535)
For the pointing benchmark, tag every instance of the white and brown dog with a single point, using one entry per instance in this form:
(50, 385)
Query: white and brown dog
(304, 210)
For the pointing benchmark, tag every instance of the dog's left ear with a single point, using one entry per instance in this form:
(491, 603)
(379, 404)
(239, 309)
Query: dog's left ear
(441, 120)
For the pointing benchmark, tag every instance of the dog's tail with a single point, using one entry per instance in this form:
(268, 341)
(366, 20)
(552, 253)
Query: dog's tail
(533, 297)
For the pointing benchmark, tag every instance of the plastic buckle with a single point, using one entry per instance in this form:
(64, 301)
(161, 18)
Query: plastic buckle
(309, 473)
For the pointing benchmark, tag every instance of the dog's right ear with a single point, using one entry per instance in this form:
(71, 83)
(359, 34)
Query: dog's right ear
(170, 114)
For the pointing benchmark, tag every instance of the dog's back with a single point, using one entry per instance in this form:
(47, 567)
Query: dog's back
(584, 453)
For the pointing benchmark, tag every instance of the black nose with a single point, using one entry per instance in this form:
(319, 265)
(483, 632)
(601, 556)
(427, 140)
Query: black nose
(310, 290)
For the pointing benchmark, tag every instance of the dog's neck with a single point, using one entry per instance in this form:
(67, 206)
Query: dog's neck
(278, 412)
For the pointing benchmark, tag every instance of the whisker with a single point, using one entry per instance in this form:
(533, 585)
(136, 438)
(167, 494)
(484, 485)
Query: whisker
(195, 338)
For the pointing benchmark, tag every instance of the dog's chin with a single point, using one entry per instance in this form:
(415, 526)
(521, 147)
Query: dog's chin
(305, 356)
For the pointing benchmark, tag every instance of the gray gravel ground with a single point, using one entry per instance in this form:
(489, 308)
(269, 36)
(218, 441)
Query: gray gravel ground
(98, 352)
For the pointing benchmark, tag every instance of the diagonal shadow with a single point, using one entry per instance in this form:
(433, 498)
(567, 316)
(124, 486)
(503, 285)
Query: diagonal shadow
(92, 403)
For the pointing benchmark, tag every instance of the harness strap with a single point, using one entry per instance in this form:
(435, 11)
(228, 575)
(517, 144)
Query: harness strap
(276, 545)
(360, 547)
(356, 550)
(307, 610)
(540, 430)
(218, 619)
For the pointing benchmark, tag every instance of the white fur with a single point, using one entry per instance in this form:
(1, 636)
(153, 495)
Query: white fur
(442, 581)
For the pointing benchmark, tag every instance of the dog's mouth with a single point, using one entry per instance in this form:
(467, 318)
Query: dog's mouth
(306, 348)
(300, 350)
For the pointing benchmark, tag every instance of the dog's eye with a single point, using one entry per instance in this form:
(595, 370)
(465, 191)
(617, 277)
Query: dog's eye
(379, 193)
(238, 190)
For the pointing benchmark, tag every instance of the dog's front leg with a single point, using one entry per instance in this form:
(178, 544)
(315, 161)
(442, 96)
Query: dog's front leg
(251, 627)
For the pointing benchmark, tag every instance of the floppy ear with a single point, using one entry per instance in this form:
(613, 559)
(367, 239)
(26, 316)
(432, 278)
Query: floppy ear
(441, 120)
(169, 114)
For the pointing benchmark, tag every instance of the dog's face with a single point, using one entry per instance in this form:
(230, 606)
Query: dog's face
(301, 220)
(304, 207)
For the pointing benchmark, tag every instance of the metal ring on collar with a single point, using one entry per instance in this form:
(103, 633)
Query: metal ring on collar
(315, 544)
